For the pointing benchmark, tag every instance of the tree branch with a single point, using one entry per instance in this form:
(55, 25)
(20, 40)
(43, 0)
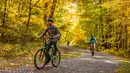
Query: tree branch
(35, 3)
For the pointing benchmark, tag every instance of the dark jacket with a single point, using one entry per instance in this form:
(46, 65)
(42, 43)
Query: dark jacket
(52, 32)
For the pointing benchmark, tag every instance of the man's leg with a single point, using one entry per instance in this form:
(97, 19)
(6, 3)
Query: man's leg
(90, 47)
(55, 47)
(47, 53)
(49, 44)
(93, 47)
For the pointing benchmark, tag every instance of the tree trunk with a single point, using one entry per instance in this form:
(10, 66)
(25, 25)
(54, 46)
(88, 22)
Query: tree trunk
(5, 9)
(24, 35)
(19, 6)
(101, 23)
(119, 37)
(126, 36)
(45, 15)
(4, 21)
(29, 15)
(53, 8)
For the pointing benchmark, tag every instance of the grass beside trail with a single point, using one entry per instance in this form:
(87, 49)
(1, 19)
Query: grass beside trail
(125, 67)
(67, 53)
(27, 60)
(125, 64)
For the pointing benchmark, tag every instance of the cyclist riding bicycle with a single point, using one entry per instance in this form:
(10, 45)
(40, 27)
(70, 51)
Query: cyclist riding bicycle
(92, 42)
(54, 34)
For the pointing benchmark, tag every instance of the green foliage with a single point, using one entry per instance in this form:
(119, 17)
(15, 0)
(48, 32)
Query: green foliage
(125, 68)
(9, 50)
(71, 55)
(109, 20)
(121, 52)
(77, 20)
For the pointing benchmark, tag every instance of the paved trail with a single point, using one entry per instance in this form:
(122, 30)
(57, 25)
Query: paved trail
(100, 63)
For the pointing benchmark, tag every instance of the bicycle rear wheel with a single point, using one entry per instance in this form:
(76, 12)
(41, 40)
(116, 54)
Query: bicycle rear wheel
(39, 59)
(56, 61)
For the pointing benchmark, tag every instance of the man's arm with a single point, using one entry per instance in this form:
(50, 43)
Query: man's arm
(96, 41)
(58, 33)
(89, 40)
(43, 33)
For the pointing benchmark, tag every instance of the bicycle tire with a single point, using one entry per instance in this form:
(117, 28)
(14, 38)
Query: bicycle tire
(59, 58)
(41, 56)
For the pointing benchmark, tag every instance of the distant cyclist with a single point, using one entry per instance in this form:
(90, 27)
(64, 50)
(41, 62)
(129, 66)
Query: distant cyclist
(92, 41)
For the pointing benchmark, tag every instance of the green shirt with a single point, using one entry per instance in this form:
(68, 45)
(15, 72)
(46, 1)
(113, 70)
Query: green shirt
(92, 40)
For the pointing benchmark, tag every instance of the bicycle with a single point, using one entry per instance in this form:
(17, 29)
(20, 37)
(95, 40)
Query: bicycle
(92, 49)
(41, 56)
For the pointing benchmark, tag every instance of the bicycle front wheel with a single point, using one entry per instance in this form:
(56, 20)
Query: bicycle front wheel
(56, 61)
(39, 59)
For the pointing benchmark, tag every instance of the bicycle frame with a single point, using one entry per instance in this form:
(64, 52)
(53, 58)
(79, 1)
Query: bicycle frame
(46, 49)
(92, 45)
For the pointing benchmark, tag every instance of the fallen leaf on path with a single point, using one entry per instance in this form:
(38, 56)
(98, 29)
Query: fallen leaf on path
(12, 64)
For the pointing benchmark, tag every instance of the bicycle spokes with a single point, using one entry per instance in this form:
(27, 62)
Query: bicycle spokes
(39, 59)
(41, 55)
(56, 59)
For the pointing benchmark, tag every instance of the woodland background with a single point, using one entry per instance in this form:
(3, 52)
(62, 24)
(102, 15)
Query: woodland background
(23, 20)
